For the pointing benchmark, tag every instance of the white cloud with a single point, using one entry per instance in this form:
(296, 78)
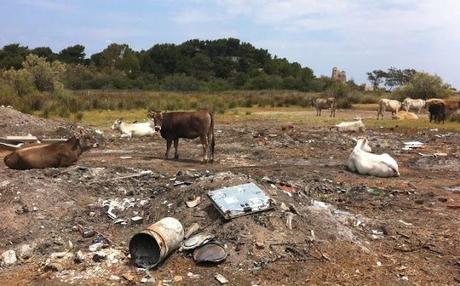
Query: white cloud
(357, 34)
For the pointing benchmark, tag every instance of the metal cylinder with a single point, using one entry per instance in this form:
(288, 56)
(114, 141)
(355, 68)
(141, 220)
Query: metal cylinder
(152, 245)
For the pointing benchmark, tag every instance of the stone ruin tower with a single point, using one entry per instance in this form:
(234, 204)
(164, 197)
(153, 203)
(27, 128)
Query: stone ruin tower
(338, 75)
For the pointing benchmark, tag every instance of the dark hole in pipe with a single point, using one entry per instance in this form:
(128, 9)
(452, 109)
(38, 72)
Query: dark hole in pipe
(145, 251)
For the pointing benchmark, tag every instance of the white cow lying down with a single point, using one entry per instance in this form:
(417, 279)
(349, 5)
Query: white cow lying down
(362, 161)
(351, 126)
(134, 129)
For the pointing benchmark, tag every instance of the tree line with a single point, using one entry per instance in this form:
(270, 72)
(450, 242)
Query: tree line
(222, 64)
(40, 79)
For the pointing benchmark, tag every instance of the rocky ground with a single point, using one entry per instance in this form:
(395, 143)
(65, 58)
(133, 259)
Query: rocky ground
(346, 228)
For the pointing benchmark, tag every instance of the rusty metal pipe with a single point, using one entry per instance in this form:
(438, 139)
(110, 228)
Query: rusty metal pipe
(152, 245)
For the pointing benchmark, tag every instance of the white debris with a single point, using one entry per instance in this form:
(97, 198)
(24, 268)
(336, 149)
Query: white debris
(221, 278)
(9, 257)
(96, 246)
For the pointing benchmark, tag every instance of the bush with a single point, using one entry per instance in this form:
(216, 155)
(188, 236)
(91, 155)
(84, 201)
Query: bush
(180, 82)
(455, 117)
(344, 103)
(78, 116)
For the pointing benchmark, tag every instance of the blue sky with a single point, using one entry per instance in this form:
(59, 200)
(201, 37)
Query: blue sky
(354, 35)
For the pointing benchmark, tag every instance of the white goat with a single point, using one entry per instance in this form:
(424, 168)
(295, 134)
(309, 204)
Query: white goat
(134, 129)
(362, 161)
(351, 126)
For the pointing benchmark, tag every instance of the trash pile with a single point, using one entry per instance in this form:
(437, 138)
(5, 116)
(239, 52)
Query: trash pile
(262, 214)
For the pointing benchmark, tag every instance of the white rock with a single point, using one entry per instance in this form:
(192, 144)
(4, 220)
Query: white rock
(9, 257)
(114, 278)
(25, 251)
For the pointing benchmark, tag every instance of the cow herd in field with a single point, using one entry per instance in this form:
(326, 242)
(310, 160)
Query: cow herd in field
(200, 124)
(439, 109)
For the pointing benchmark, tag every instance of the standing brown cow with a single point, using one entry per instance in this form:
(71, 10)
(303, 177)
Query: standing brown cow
(190, 125)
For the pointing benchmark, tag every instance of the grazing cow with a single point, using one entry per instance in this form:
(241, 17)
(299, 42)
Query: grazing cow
(404, 115)
(54, 155)
(437, 111)
(362, 161)
(325, 103)
(388, 104)
(451, 106)
(351, 126)
(175, 125)
(413, 104)
(133, 129)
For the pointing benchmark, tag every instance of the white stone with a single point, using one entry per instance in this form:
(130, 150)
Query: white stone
(9, 257)
(25, 251)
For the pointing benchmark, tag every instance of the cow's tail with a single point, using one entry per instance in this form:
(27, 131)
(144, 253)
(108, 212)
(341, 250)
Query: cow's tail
(212, 134)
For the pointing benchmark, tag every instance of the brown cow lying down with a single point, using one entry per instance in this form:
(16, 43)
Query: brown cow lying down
(40, 156)
(190, 125)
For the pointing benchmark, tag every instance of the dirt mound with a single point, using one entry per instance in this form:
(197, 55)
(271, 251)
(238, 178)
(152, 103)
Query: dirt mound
(14, 122)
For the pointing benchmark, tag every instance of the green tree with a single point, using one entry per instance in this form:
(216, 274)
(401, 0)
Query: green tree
(12, 56)
(376, 77)
(72, 55)
(118, 57)
(424, 85)
(202, 67)
(396, 77)
(44, 52)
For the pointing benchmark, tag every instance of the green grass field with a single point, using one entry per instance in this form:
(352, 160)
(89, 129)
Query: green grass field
(296, 115)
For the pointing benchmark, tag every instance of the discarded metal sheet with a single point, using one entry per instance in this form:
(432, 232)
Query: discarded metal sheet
(10, 147)
(240, 200)
(210, 252)
(28, 138)
(196, 241)
(412, 145)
